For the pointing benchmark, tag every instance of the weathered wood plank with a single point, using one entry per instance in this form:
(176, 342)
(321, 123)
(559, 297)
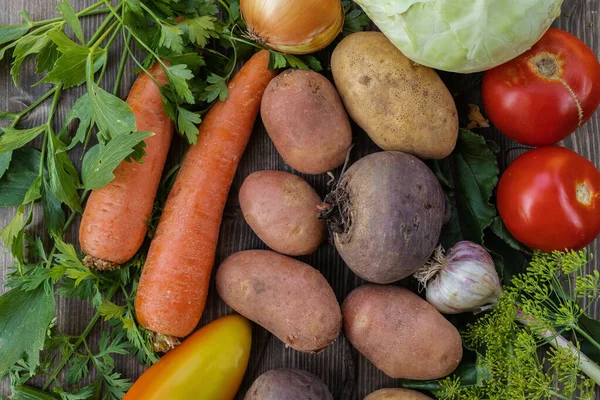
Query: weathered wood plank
(348, 375)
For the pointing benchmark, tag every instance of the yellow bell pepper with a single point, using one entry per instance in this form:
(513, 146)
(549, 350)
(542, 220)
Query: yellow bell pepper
(209, 365)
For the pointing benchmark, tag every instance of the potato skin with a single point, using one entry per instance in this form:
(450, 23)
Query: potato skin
(288, 298)
(281, 208)
(396, 209)
(288, 384)
(304, 116)
(396, 394)
(400, 333)
(401, 105)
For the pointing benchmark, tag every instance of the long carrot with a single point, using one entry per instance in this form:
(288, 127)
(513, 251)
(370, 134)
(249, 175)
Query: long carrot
(174, 284)
(116, 216)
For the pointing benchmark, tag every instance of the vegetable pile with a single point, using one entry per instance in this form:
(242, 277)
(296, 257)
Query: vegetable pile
(497, 262)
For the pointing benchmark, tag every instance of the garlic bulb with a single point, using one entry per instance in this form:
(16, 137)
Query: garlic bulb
(463, 280)
(293, 26)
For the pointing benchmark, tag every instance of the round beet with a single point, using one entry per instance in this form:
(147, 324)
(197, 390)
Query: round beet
(386, 215)
(288, 384)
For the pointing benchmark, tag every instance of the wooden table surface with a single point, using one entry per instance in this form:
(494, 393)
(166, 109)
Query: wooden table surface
(347, 374)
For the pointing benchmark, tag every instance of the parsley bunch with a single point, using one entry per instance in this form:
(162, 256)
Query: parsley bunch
(198, 43)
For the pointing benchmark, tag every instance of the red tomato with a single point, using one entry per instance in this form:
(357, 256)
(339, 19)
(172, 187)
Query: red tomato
(545, 94)
(549, 199)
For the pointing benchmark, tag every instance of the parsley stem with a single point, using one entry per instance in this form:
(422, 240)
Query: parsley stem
(55, 100)
(91, 10)
(32, 106)
(65, 359)
(104, 36)
(122, 64)
(226, 7)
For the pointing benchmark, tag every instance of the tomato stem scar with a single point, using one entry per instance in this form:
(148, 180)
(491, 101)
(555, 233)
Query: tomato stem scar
(583, 194)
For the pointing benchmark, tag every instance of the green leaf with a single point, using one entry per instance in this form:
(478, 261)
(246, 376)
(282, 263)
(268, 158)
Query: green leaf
(14, 228)
(47, 58)
(54, 216)
(110, 310)
(276, 60)
(16, 181)
(100, 161)
(82, 110)
(170, 38)
(77, 368)
(500, 230)
(187, 124)
(199, 29)
(70, 68)
(34, 192)
(112, 115)
(24, 319)
(68, 13)
(7, 115)
(64, 179)
(25, 47)
(23, 392)
(192, 60)
(134, 6)
(469, 175)
(178, 76)
(356, 20)
(592, 328)
(313, 63)
(217, 88)
(4, 162)
(8, 33)
(13, 138)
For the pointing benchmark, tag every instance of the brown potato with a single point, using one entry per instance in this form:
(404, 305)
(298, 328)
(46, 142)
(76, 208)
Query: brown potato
(281, 209)
(288, 298)
(305, 118)
(288, 384)
(401, 105)
(396, 394)
(402, 334)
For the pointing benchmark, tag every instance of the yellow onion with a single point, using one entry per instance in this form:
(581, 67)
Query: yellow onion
(293, 26)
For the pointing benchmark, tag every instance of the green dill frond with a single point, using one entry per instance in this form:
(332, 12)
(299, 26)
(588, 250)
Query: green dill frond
(588, 286)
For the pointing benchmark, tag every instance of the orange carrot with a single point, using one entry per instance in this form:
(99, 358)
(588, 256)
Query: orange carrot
(116, 216)
(174, 284)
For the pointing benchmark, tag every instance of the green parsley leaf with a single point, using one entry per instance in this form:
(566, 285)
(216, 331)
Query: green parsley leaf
(54, 216)
(110, 310)
(77, 368)
(199, 29)
(4, 162)
(13, 138)
(23, 392)
(70, 68)
(217, 88)
(178, 76)
(85, 393)
(7, 115)
(68, 13)
(25, 47)
(34, 192)
(64, 179)
(170, 38)
(313, 63)
(82, 111)
(11, 231)
(112, 115)
(47, 58)
(276, 60)
(356, 20)
(192, 60)
(16, 181)
(134, 6)
(8, 33)
(187, 124)
(24, 319)
(101, 160)
(469, 176)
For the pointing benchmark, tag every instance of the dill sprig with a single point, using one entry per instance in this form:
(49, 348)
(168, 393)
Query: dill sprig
(541, 307)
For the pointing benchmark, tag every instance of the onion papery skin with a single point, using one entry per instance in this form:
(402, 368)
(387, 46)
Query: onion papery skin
(293, 26)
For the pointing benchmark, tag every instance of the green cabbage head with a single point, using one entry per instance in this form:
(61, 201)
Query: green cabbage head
(462, 35)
